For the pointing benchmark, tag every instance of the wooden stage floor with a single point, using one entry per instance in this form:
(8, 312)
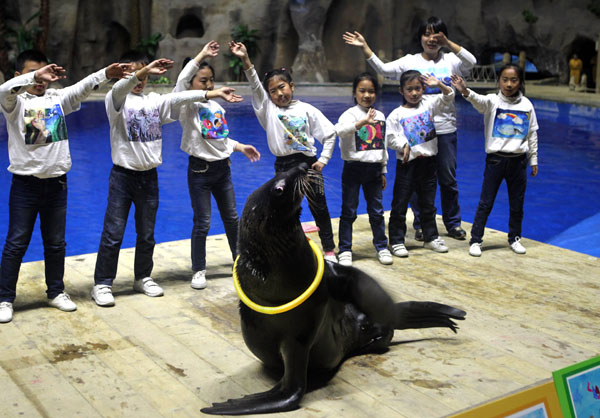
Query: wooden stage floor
(170, 356)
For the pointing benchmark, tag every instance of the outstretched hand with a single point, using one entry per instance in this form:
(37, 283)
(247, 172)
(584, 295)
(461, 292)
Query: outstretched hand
(159, 66)
(117, 70)
(430, 80)
(459, 83)
(354, 39)
(250, 152)
(238, 49)
(227, 94)
(49, 74)
(210, 50)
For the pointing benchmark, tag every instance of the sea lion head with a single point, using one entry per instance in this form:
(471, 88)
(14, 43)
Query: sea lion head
(276, 205)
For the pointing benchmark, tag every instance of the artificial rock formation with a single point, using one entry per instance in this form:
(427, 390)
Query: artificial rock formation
(306, 35)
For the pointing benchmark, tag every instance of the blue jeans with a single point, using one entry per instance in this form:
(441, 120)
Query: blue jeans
(124, 188)
(30, 196)
(316, 199)
(418, 176)
(367, 175)
(498, 168)
(446, 172)
(206, 178)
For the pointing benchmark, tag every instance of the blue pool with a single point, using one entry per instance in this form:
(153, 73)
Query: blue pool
(561, 206)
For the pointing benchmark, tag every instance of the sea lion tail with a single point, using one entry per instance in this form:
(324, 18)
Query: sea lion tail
(427, 315)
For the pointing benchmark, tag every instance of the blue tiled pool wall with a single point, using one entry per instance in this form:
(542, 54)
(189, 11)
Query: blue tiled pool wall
(562, 197)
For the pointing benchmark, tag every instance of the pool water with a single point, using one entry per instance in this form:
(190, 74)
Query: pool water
(561, 204)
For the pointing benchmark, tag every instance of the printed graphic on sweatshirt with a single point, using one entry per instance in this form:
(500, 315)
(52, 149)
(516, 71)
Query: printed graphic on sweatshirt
(295, 136)
(143, 125)
(511, 124)
(370, 137)
(214, 125)
(419, 129)
(45, 126)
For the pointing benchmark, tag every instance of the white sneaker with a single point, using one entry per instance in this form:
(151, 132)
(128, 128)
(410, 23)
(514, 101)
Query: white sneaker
(399, 250)
(330, 256)
(385, 257)
(148, 287)
(345, 258)
(199, 280)
(438, 245)
(475, 249)
(102, 295)
(6, 312)
(517, 247)
(63, 302)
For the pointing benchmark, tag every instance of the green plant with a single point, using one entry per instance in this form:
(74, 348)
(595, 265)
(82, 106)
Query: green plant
(529, 16)
(160, 80)
(249, 37)
(149, 46)
(24, 35)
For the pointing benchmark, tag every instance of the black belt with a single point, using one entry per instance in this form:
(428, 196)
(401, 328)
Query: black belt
(133, 172)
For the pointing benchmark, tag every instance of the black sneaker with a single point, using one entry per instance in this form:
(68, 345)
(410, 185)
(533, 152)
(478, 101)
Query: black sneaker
(419, 235)
(457, 233)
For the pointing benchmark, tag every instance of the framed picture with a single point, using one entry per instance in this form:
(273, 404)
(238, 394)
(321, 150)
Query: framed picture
(578, 389)
(536, 402)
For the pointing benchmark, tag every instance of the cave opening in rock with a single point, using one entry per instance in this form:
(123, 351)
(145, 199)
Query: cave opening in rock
(585, 48)
(189, 26)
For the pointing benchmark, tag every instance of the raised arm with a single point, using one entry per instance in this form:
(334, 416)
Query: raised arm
(356, 39)
(18, 85)
(72, 96)
(480, 102)
(210, 50)
(390, 70)
(259, 95)
(124, 86)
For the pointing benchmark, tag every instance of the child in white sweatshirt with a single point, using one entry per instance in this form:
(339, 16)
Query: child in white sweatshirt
(410, 130)
(292, 127)
(38, 150)
(206, 139)
(363, 147)
(510, 141)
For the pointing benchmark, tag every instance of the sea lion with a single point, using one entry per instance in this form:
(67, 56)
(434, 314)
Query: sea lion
(348, 313)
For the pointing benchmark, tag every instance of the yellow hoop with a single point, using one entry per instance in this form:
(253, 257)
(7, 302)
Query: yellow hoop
(273, 310)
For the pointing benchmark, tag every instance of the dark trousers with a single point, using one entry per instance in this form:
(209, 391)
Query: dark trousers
(30, 196)
(446, 172)
(368, 175)
(124, 188)
(316, 198)
(418, 176)
(498, 168)
(206, 179)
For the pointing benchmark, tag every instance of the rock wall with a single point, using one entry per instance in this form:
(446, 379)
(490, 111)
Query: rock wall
(306, 35)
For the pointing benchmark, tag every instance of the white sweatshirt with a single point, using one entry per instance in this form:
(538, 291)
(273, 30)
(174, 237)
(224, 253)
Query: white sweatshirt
(205, 129)
(442, 68)
(292, 129)
(38, 144)
(415, 126)
(136, 119)
(367, 144)
(510, 124)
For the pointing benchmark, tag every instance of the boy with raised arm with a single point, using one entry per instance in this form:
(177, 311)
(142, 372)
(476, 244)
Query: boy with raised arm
(38, 150)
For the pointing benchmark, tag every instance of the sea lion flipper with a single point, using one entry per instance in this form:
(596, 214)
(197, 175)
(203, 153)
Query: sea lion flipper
(427, 315)
(284, 396)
